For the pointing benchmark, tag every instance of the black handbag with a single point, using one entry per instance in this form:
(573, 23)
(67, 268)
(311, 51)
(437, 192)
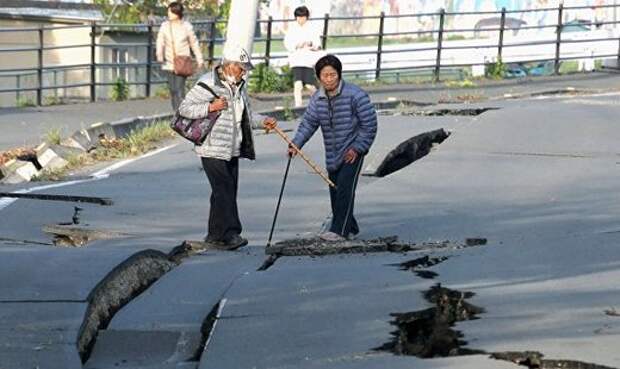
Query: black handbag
(195, 130)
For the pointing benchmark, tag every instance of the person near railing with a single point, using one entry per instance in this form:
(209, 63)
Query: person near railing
(176, 37)
(303, 41)
(348, 121)
(230, 139)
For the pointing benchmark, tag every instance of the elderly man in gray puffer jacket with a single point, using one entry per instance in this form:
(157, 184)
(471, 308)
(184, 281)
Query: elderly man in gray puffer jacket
(230, 139)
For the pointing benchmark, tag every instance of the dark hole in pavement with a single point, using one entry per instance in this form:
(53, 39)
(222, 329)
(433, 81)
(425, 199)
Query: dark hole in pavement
(409, 151)
(419, 265)
(428, 333)
(534, 360)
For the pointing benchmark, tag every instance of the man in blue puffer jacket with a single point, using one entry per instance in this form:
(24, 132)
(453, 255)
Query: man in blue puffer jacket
(348, 121)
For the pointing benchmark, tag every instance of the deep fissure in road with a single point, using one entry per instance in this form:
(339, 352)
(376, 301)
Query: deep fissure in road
(429, 333)
(410, 151)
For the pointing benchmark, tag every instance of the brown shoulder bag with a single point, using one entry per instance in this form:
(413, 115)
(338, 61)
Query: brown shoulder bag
(182, 65)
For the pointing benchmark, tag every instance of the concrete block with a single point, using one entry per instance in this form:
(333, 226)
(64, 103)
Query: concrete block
(100, 130)
(48, 157)
(79, 140)
(17, 171)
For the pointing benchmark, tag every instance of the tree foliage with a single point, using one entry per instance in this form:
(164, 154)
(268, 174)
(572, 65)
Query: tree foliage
(139, 11)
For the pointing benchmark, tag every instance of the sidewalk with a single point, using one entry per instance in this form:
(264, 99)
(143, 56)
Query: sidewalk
(28, 126)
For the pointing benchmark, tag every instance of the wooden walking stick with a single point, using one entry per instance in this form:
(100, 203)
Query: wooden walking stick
(310, 163)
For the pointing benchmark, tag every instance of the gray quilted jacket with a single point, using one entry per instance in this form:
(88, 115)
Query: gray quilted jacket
(219, 143)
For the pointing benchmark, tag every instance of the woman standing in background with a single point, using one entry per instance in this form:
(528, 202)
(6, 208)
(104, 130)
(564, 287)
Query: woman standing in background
(176, 37)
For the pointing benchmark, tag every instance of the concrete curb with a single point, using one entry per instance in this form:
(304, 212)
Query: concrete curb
(55, 157)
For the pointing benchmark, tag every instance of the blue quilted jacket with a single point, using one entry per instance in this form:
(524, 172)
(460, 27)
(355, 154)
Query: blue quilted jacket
(347, 120)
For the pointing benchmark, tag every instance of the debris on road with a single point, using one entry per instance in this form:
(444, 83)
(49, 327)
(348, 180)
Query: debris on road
(72, 236)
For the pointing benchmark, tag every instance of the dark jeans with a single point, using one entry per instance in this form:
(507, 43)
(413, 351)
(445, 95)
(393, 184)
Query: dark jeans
(343, 197)
(224, 220)
(176, 85)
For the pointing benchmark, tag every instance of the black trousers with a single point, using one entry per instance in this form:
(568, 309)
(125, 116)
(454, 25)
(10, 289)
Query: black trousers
(176, 85)
(343, 197)
(224, 220)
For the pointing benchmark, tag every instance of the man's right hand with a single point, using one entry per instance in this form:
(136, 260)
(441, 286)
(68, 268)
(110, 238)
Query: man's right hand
(218, 105)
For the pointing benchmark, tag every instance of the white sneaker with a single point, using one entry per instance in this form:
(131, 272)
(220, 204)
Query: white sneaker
(331, 237)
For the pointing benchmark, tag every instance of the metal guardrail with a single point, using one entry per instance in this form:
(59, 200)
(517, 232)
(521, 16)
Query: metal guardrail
(209, 39)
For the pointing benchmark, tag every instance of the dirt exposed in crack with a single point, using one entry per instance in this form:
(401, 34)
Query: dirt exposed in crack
(419, 266)
(429, 333)
(410, 151)
(534, 360)
(74, 236)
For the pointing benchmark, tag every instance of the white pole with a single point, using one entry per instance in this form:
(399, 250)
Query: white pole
(241, 24)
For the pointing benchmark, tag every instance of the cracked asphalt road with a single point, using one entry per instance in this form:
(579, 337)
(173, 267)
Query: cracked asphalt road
(545, 278)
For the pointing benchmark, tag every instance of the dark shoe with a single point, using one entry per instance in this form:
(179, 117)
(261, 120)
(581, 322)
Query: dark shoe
(235, 242)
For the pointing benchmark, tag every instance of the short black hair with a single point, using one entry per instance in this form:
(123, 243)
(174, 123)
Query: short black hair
(176, 8)
(328, 60)
(302, 11)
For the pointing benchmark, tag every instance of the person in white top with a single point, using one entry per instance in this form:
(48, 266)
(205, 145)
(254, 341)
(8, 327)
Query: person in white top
(303, 41)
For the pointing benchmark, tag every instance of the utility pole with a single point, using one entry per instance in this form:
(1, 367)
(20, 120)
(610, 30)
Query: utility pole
(241, 24)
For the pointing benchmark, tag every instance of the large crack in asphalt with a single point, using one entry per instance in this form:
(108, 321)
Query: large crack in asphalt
(429, 333)
(409, 151)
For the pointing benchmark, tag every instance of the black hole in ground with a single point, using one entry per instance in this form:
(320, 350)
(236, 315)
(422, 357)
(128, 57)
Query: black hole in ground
(428, 333)
(419, 266)
(409, 151)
